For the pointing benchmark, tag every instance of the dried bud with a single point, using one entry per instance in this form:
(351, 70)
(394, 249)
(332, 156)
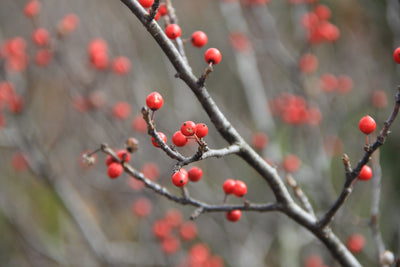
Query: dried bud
(88, 160)
(387, 258)
(132, 144)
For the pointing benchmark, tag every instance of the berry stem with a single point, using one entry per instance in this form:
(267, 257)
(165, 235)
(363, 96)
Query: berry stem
(93, 152)
(153, 112)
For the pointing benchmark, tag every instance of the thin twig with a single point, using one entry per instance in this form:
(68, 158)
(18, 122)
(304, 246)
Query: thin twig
(300, 194)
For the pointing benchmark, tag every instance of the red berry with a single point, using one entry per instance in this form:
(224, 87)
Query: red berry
(212, 55)
(142, 207)
(150, 170)
(355, 243)
(40, 36)
(345, 84)
(124, 154)
(43, 57)
(32, 8)
(199, 39)
(323, 12)
(396, 55)
(188, 231)
(179, 139)
(308, 63)
(19, 162)
(161, 229)
(379, 99)
(328, 82)
(174, 217)
(122, 110)
(313, 261)
(139, 124)
(114, 170)
(121, 65)
(68, 24)
(201, 130)
(188, 128)
(240, 188)
(228, 186)
(163, 137)
(195, 174)
(154, 101)
(198, 254)
(234, 215)
(291, 163)
(260, 140)
(146, 3)
(180, 178)
(170, 245)
(365, 173)
(367, 124)
(162, 10)
(173, 31)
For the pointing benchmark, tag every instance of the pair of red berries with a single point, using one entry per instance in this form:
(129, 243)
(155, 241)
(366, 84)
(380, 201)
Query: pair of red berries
(115, 168)
(188, 129)
(181, 177)
(238, 188)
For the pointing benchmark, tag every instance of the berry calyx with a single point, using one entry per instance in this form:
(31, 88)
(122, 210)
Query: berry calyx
(179, 139)
(188, 128)
(365, 173)
(146, 3)
(173, 31)
(396, 55)
(228, 186)
(154, 101)
(199, 39)
(201, 130)
(240, 188)
(367, 124)
(180, 178)
(162, 136)
(234, 215)
(114, 170)
(212, 55)
(195, 174)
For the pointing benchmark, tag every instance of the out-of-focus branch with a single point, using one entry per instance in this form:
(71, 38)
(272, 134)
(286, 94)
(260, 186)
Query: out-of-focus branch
(351, 175)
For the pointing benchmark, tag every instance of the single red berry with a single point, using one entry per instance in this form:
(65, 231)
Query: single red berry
(170, 245)
(234, 215)
(188, 231)
(40, 37)
(121, 65)
(163, 137)
(308, 63)
(179, 139)
(313, 261)
(139, 124)
(174, 217)
(367, 124)
(43, 57)
(122, 110)
(109, 160)
(188, 128)
(68, 24)
(199, 253)
(146, 3)
(379, 99)
(199, 39)
(240, 188)
(114, 170)
(345, 84)
(291, 163)
(142, 207)
(355, 243)
(150, 170)
(396, 55)
(173, 31)
(180, 178)
(161, 229)
(154, 101)
(328, 82)
(323, 12)
(162, 10)
(212, 55)
(201, 130)
(32, 8)
(365, 173)
(195, 174)
(124, 155)
(19, 162)
(260, 140)
(228, 186)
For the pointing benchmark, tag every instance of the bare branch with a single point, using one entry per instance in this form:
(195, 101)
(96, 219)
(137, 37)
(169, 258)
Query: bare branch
(300, 194)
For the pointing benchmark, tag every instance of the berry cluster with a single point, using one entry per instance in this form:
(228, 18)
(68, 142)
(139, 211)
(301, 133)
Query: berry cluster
(181, 177)
(237, 188)
(293, 109)
(189, 129)
(330, 83)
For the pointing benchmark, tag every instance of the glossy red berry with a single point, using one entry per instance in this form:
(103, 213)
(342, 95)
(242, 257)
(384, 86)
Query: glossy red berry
(396, 55)
(367, 124)
(173, 31)
(228, 186)
(199, 39)
(114, 170)
(234, 215)
(163, 137)
(201, 130)
(188, 128)
(212, 55)
(124, 155)
(180, 178)
(154, 101)
(355, 243)
(240, 188)
(365, 173)
(179, 139)
(146, 3)
(195, 174)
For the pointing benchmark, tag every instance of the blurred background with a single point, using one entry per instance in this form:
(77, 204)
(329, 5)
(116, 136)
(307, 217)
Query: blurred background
(295, 79)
